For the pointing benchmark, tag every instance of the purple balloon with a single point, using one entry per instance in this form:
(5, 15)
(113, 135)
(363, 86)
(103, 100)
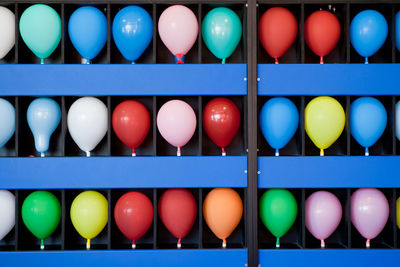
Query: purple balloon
(369, 212)
(323, 214)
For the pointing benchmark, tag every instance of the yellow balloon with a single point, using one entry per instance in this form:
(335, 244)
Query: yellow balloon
(324, 121)
(89, 214)
(398, 212)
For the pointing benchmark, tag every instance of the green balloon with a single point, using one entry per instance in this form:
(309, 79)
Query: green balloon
(41, 213)
(278, 211)
(40, 27)
(221, 31)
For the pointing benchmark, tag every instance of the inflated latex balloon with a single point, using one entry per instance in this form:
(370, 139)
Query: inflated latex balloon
(397, 121)
(7, 121)
(87, 122)
(7, 212)
(398, 212)
(7, 31)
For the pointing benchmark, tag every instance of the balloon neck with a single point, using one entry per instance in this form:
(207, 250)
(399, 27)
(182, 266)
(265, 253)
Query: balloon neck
(321, 152)
(276, 61)
(88, 244)
(179, 58)
(41, 142)
(224, 243)
(223, 60)
(321, 60)
(322, 243)
(277, 244)
(366, 151)
(178, 152)
(366, 60)
(223, 151)
(133, 62)
(85, 61)
(368, 243)
(42, 61)
(179, 244)
(87, 153)
(133, 152)
(133, 244)
(277, 152)
(42, 154)
(41, 244)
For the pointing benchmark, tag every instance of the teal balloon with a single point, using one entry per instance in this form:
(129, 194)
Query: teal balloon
(40, 28)
(221, 31)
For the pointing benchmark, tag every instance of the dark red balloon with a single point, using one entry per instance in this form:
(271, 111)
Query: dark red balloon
(322, 32)
(277, 31)
(177, 209)
(133, 215)
(131, 123)
(221, 121)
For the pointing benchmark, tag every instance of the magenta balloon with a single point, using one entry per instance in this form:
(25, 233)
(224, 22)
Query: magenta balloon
(323, 214)
(369, 212)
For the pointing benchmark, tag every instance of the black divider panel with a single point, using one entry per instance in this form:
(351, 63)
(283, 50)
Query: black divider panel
(10, 57)
(8, 242)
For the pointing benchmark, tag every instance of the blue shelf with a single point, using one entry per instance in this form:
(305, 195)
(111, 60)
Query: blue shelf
(328, 79)
(328, 172)
(123, 172)
(148, 258)
(328, 257)
(126, 79)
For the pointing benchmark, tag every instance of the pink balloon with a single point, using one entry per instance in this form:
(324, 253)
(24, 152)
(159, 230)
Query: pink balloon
(369, 212)
(323, 214)
(176, 122)
(178, 29)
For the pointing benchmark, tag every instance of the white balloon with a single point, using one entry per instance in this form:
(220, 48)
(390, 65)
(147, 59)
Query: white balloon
(7, 212)
(397, 121)
(7, 31)
(87, 122)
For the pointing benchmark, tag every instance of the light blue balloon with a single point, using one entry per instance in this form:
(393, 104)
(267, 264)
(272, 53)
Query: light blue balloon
(7, 121)
(132, 31)
(368, 120)
(44, 115)
(87, 30)
(368, 32)
(279, 119)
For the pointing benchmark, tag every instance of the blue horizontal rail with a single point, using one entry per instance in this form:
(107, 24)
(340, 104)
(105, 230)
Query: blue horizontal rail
(328, 79)
(329, 172)
(328, 257)
(148, 258)
(123, 172)
(122, 79)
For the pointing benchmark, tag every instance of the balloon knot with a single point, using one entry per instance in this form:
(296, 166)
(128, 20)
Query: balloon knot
(224, 243)
(88, 244)
(321, 152)
(276, 61)
(321, 60)
(133, 152)
(322, 243)
(180, 59)
(133, 244)
(178, 152)
(41, 244)
(179, 244)
(368, 243)
(223, 60)
(277, 152)
(223, 151)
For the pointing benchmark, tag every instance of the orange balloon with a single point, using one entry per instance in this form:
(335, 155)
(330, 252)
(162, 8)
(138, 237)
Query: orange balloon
(223, 209)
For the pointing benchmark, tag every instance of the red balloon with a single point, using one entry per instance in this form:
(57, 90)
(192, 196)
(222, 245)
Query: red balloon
(177, 209)
(277, 31)
(133, 214)
(221, 121)
(322, 32)
(131, 123)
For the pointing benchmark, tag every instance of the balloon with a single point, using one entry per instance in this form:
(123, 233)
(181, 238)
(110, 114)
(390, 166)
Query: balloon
(322, 32)
(176, 122)
(88, 122)
(368, 120)
(277, 31)
(132, 31)
(397, 212)
(177, 209)
(369, 212)
(43, 115)
(89, 214)
(368, 32)
(7, 212)
(278, 212)
(221, 31)
(7, 31)
(131, 123)
(397, 121)
(178, 29)
(87, 29)
(397, 30)
(7, 121)
(133, 215)
(324, 121)
(279, 120)
(221, 121)
(222, 210)
(323, 214)
(40, 28)
(41, 213)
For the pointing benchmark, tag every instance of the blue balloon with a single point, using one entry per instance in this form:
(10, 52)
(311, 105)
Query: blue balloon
(279, 119)
(368, 32)
(44, 115)
(87, 30)
(7, 121)
(397, 29)
(132, 31)
(368, 120)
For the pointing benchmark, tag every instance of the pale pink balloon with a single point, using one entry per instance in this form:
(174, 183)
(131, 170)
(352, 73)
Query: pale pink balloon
(323, 214)
(176, 122)
(369, 212)
(178, 29)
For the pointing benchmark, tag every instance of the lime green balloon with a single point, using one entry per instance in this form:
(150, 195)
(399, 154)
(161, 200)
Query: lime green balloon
(40, 28)
(41, 213)
(278, 211)
(221, 31)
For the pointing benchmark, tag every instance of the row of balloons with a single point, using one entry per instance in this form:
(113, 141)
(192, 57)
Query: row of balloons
(369, 210)
(87, 122)
(132, 31)
(324, 120)
(133, 213)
